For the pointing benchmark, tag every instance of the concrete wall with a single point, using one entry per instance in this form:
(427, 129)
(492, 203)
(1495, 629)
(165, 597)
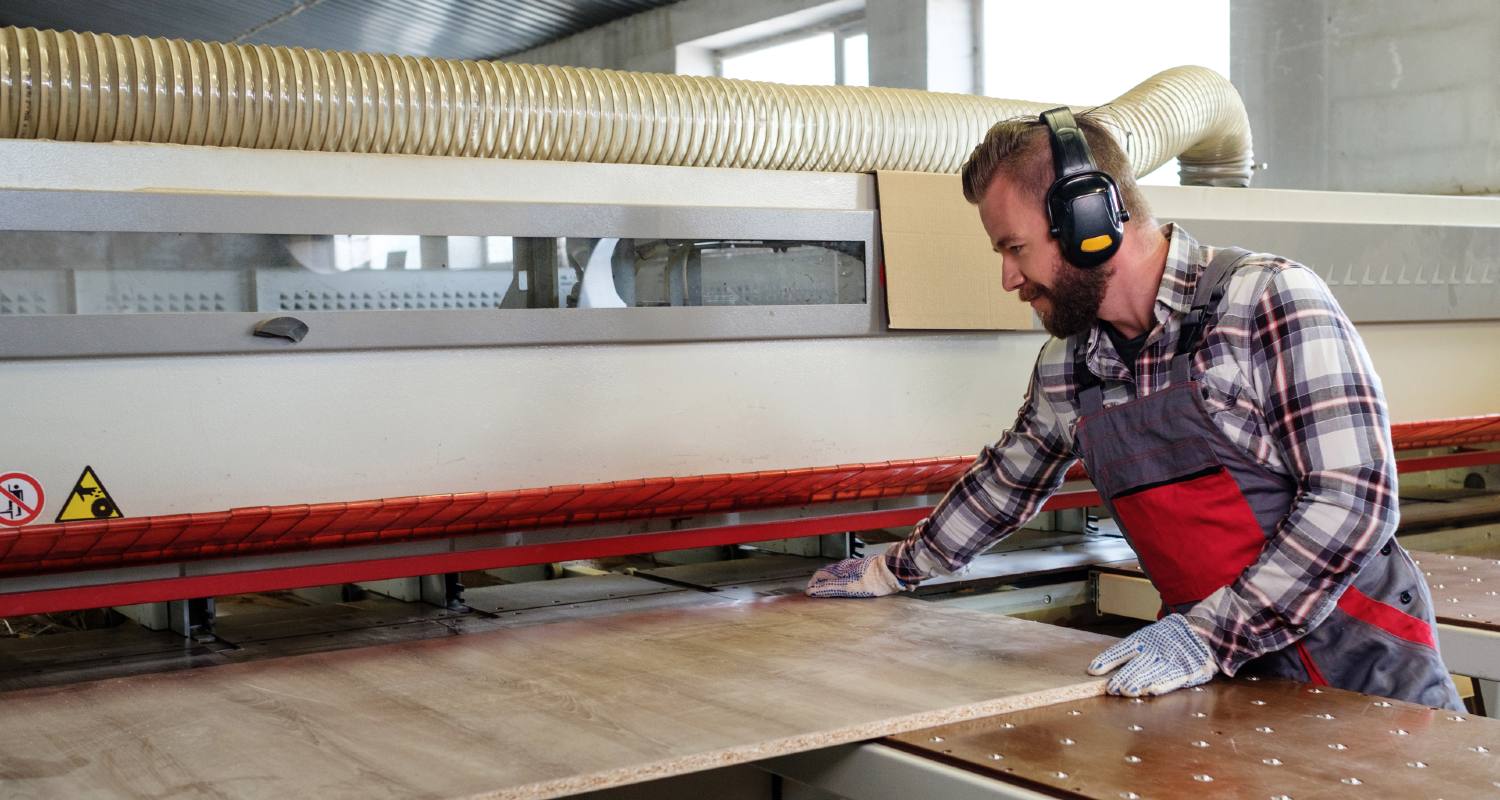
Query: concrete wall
(1372, 95)
(1353, 95)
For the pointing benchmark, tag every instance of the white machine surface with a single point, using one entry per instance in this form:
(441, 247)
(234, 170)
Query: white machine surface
(187, 412)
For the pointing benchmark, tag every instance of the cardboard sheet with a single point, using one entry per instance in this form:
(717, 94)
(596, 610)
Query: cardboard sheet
(940, 271)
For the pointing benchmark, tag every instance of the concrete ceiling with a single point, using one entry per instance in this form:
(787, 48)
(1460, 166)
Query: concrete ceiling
(439, 28)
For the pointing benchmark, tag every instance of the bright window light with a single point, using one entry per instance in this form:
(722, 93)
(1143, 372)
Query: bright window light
(1088, 52)
(804, 61)
(393, 252)
(499, 250)
(857, 60)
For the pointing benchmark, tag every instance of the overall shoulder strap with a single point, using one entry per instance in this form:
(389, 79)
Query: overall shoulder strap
(1090, 389)
(1206, 297)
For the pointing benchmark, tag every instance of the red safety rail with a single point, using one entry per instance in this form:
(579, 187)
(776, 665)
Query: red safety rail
(1455, 432)
(71, 546)
(1446, 432)
(92, 544)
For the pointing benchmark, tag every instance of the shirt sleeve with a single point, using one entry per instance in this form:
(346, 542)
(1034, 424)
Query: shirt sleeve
(1004, 489)
(1323, 405)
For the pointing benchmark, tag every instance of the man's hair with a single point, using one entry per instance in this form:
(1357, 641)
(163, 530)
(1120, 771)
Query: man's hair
(1018, 150)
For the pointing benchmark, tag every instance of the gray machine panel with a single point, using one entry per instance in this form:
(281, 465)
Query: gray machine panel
(1383, 272)
(50, 336)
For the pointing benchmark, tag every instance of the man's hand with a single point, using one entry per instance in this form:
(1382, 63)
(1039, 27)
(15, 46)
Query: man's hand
(854, 577)
(1159, 658)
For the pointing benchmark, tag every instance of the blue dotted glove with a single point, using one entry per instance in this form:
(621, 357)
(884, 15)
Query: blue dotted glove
(1161, 657)
(854, 577)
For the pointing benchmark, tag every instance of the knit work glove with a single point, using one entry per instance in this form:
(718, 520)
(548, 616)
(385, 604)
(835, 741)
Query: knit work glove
(1159, 658)
(854, 577)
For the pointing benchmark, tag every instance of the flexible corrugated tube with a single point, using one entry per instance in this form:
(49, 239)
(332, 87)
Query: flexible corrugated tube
(100, 87)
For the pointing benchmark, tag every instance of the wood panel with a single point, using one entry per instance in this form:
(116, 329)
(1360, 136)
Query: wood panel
(540, 711)
(1240, 738)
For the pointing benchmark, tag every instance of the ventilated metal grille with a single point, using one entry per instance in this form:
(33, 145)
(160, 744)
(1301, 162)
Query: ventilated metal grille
(360, 291)
(159, 291)
(27, 291)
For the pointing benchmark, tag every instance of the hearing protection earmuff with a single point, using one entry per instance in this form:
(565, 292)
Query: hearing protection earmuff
(1084, 208)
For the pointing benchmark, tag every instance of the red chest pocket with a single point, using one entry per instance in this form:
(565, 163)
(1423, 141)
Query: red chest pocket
(1193, 535)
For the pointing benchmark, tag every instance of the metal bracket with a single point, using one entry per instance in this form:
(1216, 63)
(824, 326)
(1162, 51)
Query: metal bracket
(879, 772)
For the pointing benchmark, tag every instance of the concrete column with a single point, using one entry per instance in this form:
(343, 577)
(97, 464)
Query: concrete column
(923, 44)
(433, 252)
(538, 257)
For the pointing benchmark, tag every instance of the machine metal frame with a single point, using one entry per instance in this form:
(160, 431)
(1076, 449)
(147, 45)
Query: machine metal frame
(874, 771)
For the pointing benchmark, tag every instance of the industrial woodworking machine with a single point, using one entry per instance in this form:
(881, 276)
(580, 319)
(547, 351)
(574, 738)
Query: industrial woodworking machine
(238, 370)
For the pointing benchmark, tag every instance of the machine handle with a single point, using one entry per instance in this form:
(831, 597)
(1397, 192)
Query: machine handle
(289, 328)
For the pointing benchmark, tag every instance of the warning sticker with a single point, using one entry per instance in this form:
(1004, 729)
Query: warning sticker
(21, 499)
(89, 500)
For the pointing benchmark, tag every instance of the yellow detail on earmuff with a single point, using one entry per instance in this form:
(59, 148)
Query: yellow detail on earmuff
(1094, 244)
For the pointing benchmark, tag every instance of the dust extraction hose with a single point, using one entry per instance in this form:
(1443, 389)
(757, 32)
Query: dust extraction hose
(100, 87)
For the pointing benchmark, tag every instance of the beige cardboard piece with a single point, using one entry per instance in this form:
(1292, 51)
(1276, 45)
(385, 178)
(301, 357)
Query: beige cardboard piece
(940, 271)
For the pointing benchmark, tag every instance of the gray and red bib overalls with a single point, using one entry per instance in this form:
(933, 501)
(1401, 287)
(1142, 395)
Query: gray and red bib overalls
(1198, 510)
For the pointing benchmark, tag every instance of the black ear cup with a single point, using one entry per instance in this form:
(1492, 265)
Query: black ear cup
(1084, 209)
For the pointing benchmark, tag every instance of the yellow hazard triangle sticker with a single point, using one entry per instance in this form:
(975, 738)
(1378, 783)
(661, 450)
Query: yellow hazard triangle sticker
(89, 500)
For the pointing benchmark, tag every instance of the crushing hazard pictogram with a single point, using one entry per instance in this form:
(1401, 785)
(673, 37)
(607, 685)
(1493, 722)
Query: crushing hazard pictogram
(88, 500)
(21, 499)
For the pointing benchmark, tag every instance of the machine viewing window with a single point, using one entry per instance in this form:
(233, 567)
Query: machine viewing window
(45, 272)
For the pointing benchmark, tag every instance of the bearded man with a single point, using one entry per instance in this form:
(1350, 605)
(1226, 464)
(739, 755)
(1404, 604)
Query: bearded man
(1229, 416)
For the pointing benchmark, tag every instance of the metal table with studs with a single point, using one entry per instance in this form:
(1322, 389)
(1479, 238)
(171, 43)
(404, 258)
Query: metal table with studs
(1230, 738)
(1466, 601)
(1465, 595)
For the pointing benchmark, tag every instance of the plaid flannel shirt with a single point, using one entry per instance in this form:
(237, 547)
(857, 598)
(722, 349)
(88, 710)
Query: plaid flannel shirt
(1285, 376)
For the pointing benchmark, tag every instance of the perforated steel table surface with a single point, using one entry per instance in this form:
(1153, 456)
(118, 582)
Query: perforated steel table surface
(1241, 738)
(1465, 589)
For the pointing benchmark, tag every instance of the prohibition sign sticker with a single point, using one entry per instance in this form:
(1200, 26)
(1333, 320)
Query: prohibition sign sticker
(21, 499)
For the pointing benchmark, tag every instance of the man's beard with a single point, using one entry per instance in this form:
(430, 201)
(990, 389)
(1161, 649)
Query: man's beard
(1074, 300)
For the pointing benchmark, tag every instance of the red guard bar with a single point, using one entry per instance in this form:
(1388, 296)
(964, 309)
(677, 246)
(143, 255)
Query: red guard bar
(73, 546)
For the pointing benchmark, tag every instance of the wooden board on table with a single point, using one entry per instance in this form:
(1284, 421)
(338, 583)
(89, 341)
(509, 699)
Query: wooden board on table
(542, 711)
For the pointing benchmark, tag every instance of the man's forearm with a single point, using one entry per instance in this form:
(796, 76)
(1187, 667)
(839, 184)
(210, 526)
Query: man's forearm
(1326, 538)
(991, 501)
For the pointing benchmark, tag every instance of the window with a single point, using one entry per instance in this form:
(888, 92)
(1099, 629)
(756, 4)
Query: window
(1089, 52)
(831, 55)
(67, 272)
(856, 53)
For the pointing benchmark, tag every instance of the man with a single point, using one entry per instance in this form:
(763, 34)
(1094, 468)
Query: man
(1227, 412)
